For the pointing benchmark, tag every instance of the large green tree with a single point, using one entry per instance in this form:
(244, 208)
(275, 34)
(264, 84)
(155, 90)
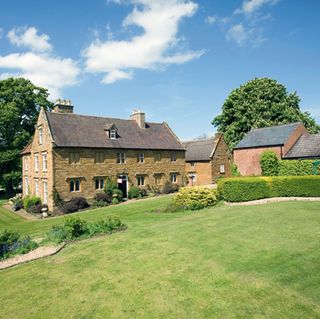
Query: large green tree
(20, 103)
(258, 103)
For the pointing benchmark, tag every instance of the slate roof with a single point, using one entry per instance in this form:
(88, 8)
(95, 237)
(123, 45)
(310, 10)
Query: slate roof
(200, 150)
(73, 130)
(268, 136)
(307, 146)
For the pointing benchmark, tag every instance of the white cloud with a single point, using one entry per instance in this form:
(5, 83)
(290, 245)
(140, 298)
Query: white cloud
(42, 68)
(157, 46)
(238, 34)
(211, 19)
(115, 76)
(29, 38)
(251, 6)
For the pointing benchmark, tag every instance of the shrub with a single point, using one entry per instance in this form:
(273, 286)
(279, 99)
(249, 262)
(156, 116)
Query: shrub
(117, 193)
(296, 167)
(252, 188)
(110, 186)
(57, 199)
(80, 202)
(102, 197)
(12, 244)
(29, 201)
(143, 192)
(37, 209)
(76, 228)
(69, 207)
(269, 163)
(18, 204)
(169, 188)
(134, 192)
(195, 198)
(234, 170)
(115, 201)
(99, 203)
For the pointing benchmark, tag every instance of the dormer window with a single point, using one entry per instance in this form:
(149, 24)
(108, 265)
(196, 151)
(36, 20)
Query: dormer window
(113, 134)
(111, 131)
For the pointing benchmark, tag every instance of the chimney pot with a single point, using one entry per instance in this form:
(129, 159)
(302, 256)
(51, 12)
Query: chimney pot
(63, 106)
(139, 117)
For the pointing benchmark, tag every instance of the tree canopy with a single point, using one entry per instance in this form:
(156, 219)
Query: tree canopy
(20, 103)
(259, 103)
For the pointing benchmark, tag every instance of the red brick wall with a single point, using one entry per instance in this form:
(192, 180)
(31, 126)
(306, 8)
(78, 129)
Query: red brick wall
(248, 159)
(203, 172)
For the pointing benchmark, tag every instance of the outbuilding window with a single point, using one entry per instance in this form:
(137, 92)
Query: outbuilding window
(141, 158)
(113, 134)
(140, 180)
(173, 157)
(173, 177)
(222, 169)
(99, 183)
(121, 158)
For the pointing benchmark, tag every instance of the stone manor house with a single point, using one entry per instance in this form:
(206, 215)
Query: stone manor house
(77, 153)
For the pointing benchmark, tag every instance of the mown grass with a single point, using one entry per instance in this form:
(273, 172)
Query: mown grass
(223, 262)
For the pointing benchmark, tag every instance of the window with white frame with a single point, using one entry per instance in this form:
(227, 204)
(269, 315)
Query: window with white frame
(36, 162)
(36, 187)
(141, 158)
(40, 135)
(45, 191)
(121, 158)
(113, 134)
(158, 179)
(173, 177)
(222, 169)
(44, 162)
(26, 167)
(193, 177)
(26, 185)
(140, 180)
(173, 157)
(99, 183)
(75, 185)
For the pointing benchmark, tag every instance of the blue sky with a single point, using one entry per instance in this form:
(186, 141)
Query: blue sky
(176, 60)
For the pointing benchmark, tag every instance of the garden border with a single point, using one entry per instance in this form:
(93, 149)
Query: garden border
(273, 200)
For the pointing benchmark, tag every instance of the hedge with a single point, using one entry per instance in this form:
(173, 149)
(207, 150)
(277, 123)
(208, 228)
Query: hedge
(295, 167)
(244, 189)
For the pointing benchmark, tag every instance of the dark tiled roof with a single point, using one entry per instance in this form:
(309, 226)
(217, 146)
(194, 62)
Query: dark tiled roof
(306, 146)
(268, 136)
(72, 130)
(200, 150)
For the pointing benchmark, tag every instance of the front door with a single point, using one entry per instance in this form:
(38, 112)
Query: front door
(122, 184)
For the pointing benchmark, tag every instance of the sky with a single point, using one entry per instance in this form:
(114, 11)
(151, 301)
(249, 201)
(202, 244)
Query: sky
(176, 60)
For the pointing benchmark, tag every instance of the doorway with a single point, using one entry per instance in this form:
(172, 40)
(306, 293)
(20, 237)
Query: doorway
(123, 184)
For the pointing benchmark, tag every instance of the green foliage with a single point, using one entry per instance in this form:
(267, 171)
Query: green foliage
(134, 192)
(195, 198)
(75, 204)
(234, 170)
(102, 197)
(12, 244)
(117, 193)
(296, 167)
(253, 188)
(77, 228)
(258, 103)
(20, 103)
(269, 163)
(169, 188)
(115, 201)
(57, 199)
(110, 186)
(29, 201)
(99, 203)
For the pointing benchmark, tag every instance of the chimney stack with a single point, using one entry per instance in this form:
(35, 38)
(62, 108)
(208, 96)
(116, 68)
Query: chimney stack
(139, 117)
(63, 106)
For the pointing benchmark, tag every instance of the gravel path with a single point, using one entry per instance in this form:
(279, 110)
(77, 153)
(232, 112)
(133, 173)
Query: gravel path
(274, 200)
(32, 255)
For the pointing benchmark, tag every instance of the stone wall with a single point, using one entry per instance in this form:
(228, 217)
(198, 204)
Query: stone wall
(221, 156)
(87, 170)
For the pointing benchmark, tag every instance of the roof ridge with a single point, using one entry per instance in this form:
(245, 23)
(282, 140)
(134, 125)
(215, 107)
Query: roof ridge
(267, 127)
(200, 140)
(99, 117)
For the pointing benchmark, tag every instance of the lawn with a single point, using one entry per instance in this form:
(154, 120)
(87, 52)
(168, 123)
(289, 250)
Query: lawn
(223, 262)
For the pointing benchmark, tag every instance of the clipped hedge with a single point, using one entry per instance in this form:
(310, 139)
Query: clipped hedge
(244, 189)
(295, 167)
(194, 198)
